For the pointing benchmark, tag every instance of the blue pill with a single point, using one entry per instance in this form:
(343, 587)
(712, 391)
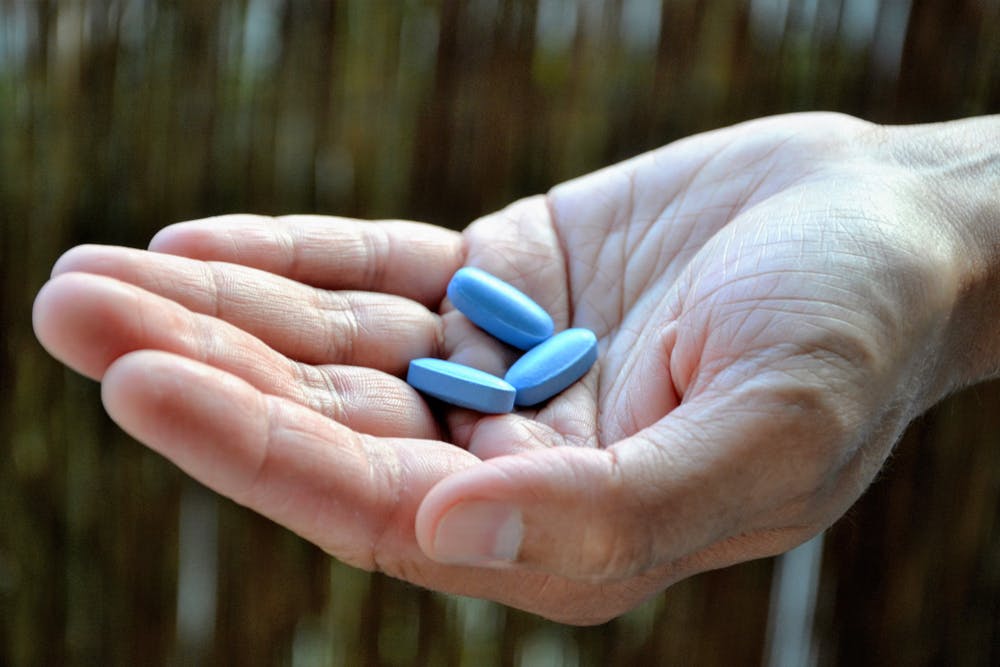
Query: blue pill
(461, 385)
(552, 366)
(499, 308)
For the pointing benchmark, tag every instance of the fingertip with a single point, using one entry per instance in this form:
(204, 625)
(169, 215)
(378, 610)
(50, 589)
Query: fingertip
(41, 310)
(78, 258)
(72, 316)
(172, 237)
(153, 372)
(196, 238)
(176, 405)
(55, 308)
(127, 382)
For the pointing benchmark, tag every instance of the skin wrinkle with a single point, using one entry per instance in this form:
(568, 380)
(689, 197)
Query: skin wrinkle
(638, 557)
(200, 339)
(752, 280)
(530, 431)
(302, 336)
(834, 401)
(325, 309)
(495, 254)
(529, 245)
(599, 419)
(143, 328)
(379, 249)
(316, 528)
(341, 340)
(681, 194)
(662, 512)
(285, 234)
(160, 283)
(630, 361)
(858, 465)
(234, 242)
(333, 392)
(627, 423)
(756, 184)
(630, 296)
(522, 277)
(598, 367)
(602, 280)
(741, 507)
(618, 380)
(861, 350)
(610, 241)
(574, 431)
(622, 221)
(742, 200)
(272, 411)
(213, 280)
(563, 254)
(394, 477)
(587, 255)
(746, 308)
(729, 373)
(318, 303)
(206, 345)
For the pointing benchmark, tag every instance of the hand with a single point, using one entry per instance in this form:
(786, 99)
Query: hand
(772, 301)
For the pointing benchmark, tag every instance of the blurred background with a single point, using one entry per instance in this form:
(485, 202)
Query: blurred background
(119, 117)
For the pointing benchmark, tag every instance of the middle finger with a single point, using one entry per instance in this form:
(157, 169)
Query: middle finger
(306, 324)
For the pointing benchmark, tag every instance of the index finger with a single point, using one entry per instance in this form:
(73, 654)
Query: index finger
(410, 259)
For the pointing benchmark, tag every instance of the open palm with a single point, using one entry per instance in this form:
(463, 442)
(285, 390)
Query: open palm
(765, 297)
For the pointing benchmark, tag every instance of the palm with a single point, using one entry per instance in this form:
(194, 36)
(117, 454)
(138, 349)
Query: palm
(655, 256)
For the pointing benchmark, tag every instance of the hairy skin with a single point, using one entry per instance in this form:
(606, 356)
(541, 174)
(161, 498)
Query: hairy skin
(774, 301)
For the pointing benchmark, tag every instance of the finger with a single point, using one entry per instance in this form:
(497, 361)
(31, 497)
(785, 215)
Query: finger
(714, 482)
(408, 259)
(347, 492)
(306, 324)
(353, 495)
(88, 321)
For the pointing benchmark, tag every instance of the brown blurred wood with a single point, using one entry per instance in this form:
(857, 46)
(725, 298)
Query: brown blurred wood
(945, 47)
(122, 117)
(912, 574)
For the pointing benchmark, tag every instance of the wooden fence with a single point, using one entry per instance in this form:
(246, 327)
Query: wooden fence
(118, 117)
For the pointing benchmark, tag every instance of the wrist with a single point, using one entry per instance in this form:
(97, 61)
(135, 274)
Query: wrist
(958, 167)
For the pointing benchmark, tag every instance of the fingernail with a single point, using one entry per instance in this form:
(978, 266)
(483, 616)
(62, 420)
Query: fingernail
(479, 532)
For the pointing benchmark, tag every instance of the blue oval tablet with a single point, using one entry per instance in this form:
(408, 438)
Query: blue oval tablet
(461, 385)
(499, 308)
(552, 366)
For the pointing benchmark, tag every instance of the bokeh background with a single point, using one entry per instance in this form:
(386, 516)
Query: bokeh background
(118, 117)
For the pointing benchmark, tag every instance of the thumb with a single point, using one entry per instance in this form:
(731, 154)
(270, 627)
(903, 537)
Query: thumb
(565, 510)
(693, 484)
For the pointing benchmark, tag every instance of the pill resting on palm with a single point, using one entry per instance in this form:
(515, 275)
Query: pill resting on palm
(550, 367)
(551, 364)
(499, 308)
(461, 385)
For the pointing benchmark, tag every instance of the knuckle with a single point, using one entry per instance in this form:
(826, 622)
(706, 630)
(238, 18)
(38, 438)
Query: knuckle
(341, 325)
(608, 553)
(615, 540)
